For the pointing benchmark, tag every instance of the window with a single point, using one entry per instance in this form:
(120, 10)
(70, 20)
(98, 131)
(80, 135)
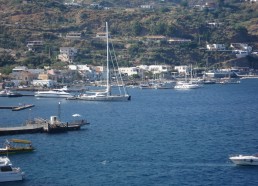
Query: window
(6, 168)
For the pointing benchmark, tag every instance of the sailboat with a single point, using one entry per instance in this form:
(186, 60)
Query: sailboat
(185, 85)
(105, 95)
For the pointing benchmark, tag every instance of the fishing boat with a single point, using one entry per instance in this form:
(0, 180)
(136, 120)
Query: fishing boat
(55, 93)
(16, 146)
(106, 94)
(8, 172)
(245, 159)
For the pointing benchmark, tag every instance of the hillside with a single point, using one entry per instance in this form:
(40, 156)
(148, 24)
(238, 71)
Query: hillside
(50, 21)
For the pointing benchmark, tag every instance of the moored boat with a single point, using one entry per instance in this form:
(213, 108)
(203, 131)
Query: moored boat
(9, 93)
(55, 93)
(3, 93)
(186, 85)
(245, 159)
(8, 172)
(107, 94)
(16, 146)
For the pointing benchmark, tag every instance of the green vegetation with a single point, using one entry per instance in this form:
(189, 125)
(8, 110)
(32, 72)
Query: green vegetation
(47, 20)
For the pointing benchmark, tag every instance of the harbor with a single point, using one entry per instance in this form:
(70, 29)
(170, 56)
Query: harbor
(166, 134)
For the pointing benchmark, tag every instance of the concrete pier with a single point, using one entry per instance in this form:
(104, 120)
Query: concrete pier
(29, 129)
(17, 108)
(22, 107)
(20, 130)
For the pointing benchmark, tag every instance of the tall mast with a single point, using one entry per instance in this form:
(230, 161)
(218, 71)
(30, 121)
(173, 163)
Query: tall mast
(108, 88)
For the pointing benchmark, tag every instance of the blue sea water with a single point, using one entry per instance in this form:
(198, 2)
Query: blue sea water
(160, 137)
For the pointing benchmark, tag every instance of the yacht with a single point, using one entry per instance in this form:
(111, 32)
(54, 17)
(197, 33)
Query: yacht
(55, 93)
(245, 160)
(186, 85)
(9, 173)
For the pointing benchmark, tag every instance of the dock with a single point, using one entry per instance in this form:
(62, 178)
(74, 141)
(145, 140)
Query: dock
(41, 128)
(21, 130)
(17, 108)
(22, 107)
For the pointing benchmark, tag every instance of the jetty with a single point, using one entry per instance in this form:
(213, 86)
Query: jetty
(20, 130)
(39, 125)
(17, 108)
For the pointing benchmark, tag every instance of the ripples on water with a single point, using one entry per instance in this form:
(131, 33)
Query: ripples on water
(161, 137)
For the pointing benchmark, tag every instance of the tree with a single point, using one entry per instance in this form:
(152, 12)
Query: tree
(133, 50)
(220, 3)
(137, 28)
(6, 60)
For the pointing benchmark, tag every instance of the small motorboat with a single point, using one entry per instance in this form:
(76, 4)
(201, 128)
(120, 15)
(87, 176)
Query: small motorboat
(9, 93)
(16, 146)
(245, 159)
(8, 172)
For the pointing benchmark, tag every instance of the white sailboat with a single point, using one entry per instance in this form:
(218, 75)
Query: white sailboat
(105, 95)
(185, 85)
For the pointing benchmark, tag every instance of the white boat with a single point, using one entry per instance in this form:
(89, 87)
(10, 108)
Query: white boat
(164, 85)
(9, 173)
(4, 93)
(186, 85)
(9, 93)
(145, 86)
(229, 81)
(55, 93)
(245, 160)
(106, 95)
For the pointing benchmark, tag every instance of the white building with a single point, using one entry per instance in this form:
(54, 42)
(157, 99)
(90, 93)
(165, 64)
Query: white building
(128, 70)
(19, 69)
(241, 46)
(241, 49)
(143, 67)
(44, 83)
(80, 67)
(184, 69)
(215, 47)
(157, 69)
